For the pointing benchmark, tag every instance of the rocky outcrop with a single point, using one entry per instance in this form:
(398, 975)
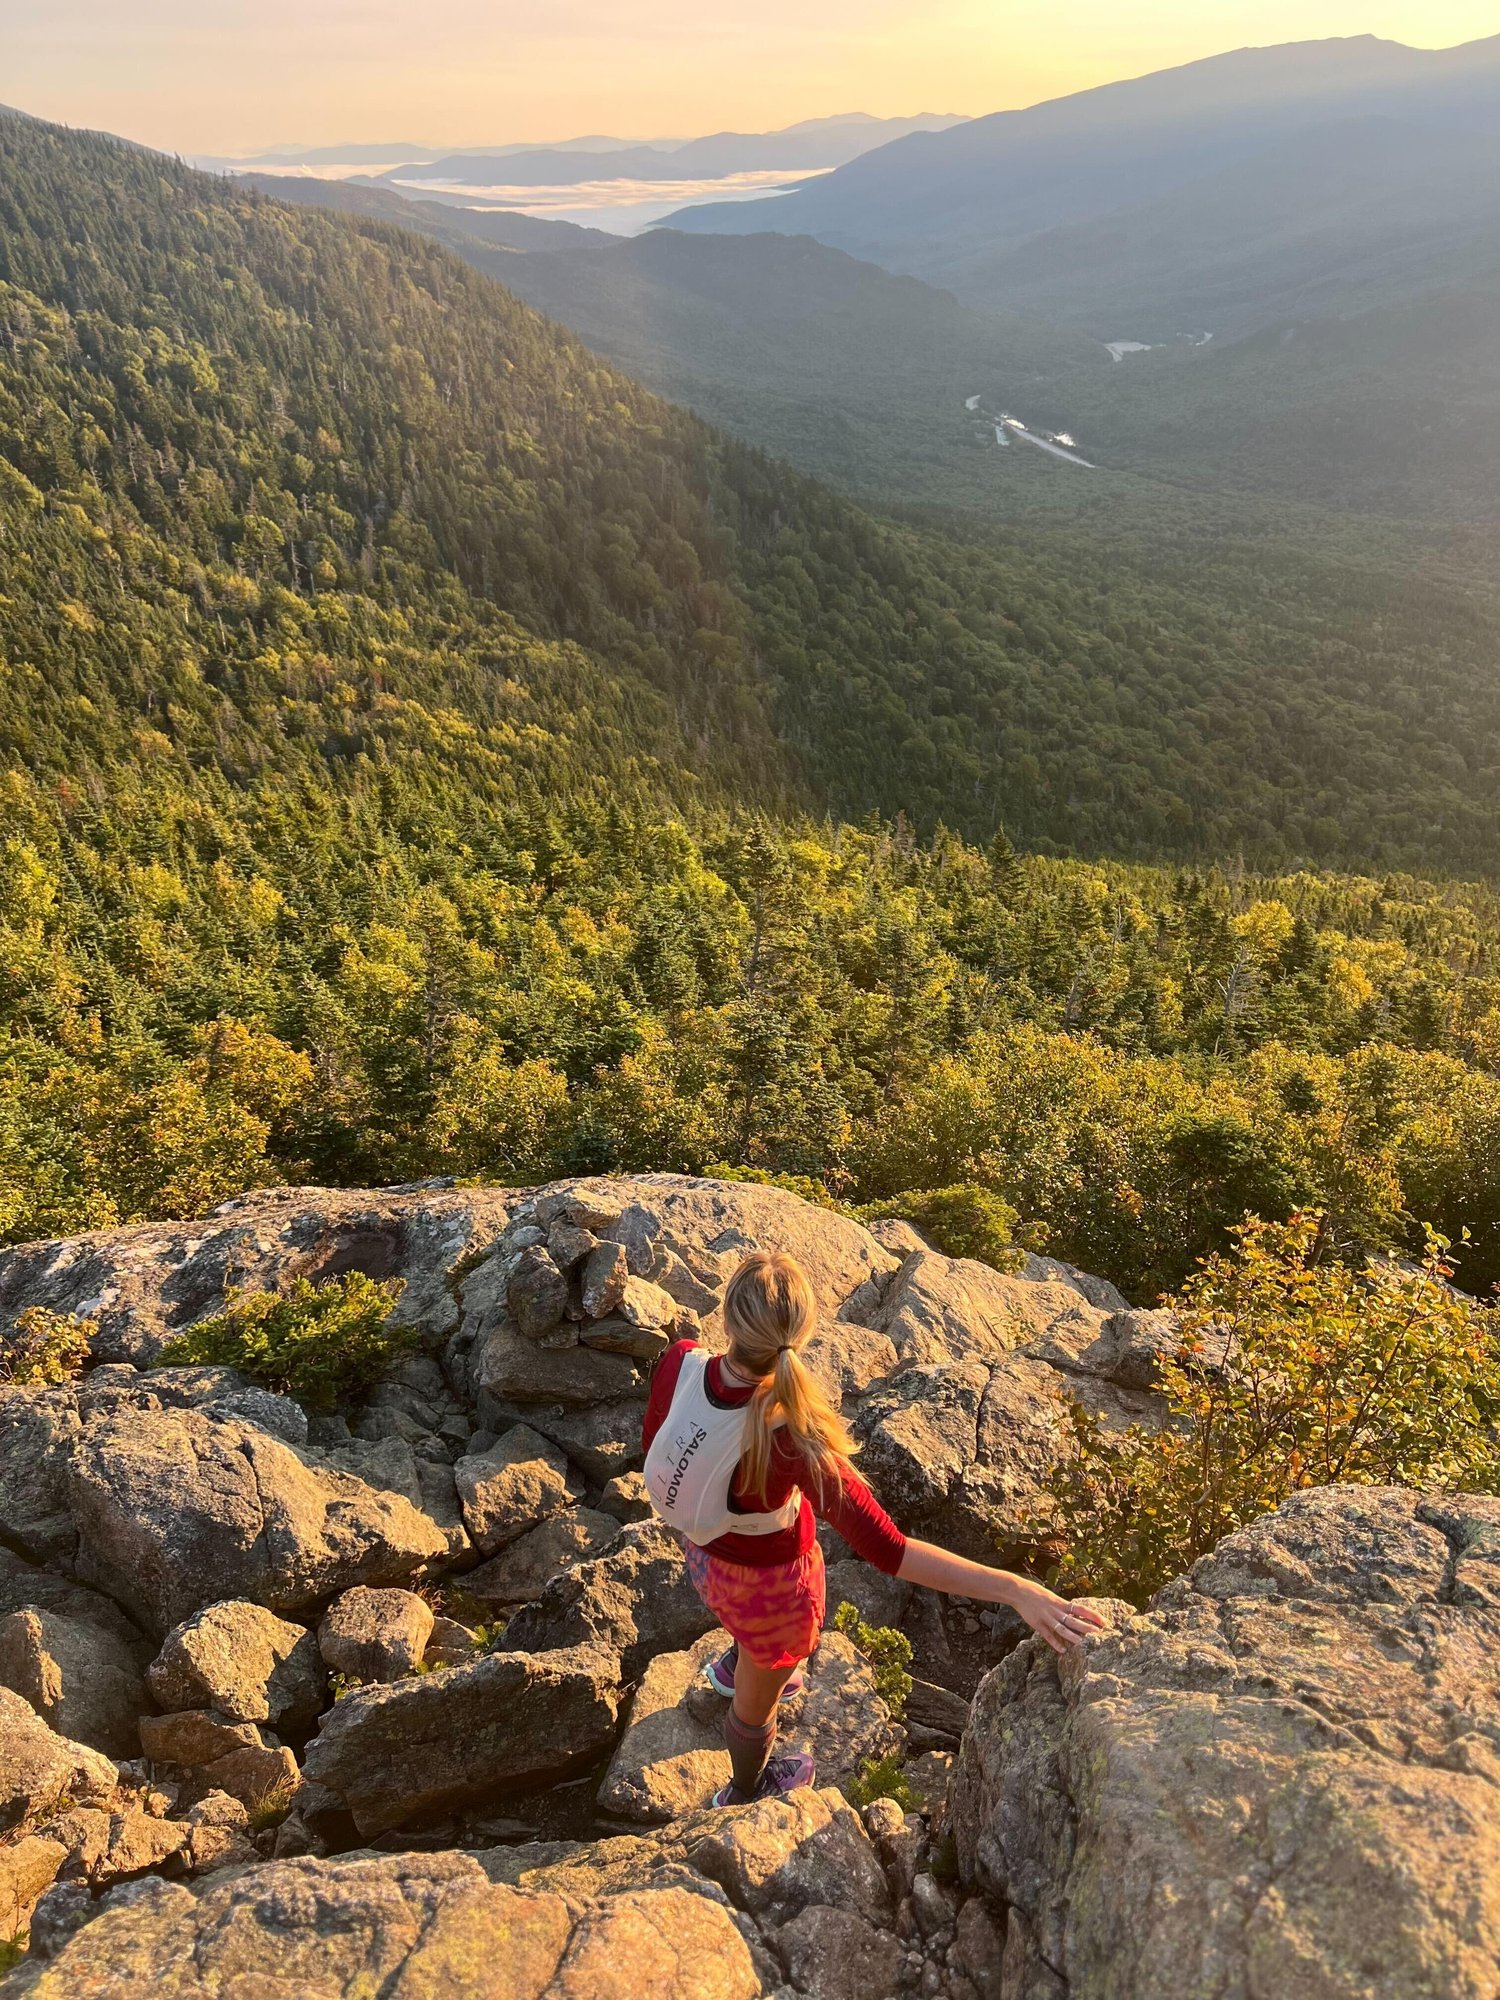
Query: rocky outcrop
(146, 1282)
(425, 1745)
(1282, 1778)
(409, 1926)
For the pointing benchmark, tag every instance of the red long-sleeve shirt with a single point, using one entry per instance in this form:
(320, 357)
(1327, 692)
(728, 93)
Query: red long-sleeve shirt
(849, 1507)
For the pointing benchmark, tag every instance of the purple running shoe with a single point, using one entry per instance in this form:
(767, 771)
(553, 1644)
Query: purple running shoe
(719, 1674)
(782, 1775)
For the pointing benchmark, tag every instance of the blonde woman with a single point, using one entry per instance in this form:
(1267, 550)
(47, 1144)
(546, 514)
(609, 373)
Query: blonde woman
(743, 1451)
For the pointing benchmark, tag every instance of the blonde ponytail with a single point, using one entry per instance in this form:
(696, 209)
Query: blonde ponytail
(770, 1312)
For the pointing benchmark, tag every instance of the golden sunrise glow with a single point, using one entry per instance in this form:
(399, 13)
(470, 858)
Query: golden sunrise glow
(228, 75)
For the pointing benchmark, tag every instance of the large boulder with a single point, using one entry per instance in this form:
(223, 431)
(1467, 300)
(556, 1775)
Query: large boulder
(375, 1635)
(244, 1662)
(603, 1442)
(636, 1600)
(39, 1768)
(425, 1745)
(80, 1677)
(117, 1389)
(175, 1510)
(517, 1484)
(143, 1283)
(511, 1369)
(28, 1868)
(523, 1569)
(1282, 1778)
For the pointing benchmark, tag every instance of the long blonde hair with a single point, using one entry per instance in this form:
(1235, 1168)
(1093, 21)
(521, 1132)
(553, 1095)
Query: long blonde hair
(769, 1312)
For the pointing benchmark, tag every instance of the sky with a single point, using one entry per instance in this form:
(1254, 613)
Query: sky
(226, 76)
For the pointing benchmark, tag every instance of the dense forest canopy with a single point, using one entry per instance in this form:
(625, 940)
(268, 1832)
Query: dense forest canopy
(422, 750)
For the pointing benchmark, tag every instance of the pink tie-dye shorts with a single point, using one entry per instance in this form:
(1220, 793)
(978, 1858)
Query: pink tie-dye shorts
(775, 1613)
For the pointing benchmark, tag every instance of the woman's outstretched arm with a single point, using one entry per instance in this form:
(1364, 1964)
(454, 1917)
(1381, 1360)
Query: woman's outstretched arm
(1051, 1617)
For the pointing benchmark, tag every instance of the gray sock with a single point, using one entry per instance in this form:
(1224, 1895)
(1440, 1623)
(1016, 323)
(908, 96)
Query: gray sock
(749, 1748)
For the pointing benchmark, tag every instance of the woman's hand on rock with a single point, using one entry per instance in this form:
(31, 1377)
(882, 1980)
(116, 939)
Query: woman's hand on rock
(1053, 1618)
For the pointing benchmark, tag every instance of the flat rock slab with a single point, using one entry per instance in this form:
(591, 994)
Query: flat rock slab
(1283, 1778)
(408, 1926)
(671, 1758)
(426, 1745)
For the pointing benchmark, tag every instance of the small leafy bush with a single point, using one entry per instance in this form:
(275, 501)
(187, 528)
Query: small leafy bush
(1290, 1373)
(44, 1348)
(963, 1221)
(888, 1651)
(326, 1344)
(882, 1778)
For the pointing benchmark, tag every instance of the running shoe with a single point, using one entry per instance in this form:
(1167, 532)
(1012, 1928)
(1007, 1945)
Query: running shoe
(719, 1674)
(791, 1773)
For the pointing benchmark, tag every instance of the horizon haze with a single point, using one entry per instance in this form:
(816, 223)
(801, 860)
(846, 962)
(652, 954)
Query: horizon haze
(459, 74)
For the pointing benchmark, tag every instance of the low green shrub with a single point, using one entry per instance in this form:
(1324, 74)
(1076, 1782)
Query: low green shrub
(882, 1778)
(888, 1651)
(963, 1221)
(326, 1344)
(1293, 1369)
(44, 1348)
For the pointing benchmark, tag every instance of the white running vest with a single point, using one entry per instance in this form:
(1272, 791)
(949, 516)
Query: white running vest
(691, 1464)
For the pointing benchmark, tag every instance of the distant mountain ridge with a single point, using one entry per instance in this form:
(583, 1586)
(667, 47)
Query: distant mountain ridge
(931, 203)
(1339, 219)
(814, 145)
(811, 143)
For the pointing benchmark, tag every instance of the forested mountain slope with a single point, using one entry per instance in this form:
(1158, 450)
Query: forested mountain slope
(383, 685)
(842, 367)
(237, 433)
